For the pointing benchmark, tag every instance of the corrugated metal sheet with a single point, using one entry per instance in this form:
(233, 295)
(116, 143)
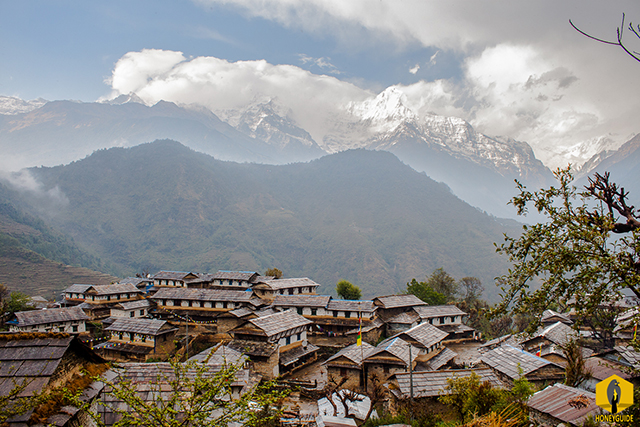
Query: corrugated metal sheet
(554, 400)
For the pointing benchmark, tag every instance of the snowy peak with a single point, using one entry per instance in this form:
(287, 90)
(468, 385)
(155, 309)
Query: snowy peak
(385, 112)
(10, 105)
(125, 99)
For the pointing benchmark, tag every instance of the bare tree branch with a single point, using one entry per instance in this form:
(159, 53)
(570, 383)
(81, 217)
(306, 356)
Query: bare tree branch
(619, 36)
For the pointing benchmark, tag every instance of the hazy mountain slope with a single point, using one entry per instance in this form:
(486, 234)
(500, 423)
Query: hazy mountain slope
(36, 137)
(359, 215)
(36, 259)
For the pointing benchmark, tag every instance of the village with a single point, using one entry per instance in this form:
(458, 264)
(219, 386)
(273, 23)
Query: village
(345, 361)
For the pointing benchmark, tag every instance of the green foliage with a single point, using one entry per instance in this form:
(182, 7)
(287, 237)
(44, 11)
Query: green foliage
(415, 415)
(441, 282)
(575, 372)
(190, 212)
(347, 290)
(574, 253)
(273, 272)
(193, 393)
(425, 292)
(468, 397)
(472, 288)
(17, 301)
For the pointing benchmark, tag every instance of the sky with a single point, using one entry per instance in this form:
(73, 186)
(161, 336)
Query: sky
(510, 68)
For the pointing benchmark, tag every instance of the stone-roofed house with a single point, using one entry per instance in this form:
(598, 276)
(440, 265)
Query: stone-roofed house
(548, 342)
(511, 363)
(203, 304)
(137, 308)
(268, 288)
(392, 305)
(444, 359)
(224, 279)
(309, 306)
(36, 362)
(429, 385)
(509, 339)
(553, 406)
(449, 318)
(142, 283)
(549, 317)
(74, 294)
(138, 339)
(626, 326)
(173, 278)
(343, 316)
(68, 319)
(390, 357)
(99, 299)
(276, 343)
(346, 366)
(425, 337)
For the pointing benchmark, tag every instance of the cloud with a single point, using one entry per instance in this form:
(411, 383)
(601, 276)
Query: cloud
(414, 69)
(23, 181)
(221, 85)
(322, 63)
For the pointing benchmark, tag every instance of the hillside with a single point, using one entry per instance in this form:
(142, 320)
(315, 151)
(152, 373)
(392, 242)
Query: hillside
(358, 215)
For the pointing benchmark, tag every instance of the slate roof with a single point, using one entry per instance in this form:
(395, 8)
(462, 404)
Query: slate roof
(455, 328)
(441, 359)
(294, 354)
(554, 400)
(424, 334)
(628, 355)
(235, 275)
(398, 301)
(136, 281)
(172, 275)
(51, 315)
(397, 347)
(558, 333)
(353, 352)
(601, 369)
(301, 300)
(240, 312)
(134, 305)
(274, 324)
(204, 294)
(77, 289)
(431, 311)
(33, 357)
(277, 284)
(512, 340)
(434, 383)
(254, 348)
(139, 326)
(550, 315)
(116, 288)
(351, 305)
(406, 318)
(509, 360)
(219, 355)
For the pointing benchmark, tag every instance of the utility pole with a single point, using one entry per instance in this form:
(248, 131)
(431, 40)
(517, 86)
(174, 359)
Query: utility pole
(187, 344)
(410, 377)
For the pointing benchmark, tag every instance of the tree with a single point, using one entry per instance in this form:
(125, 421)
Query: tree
(183, 394)
(17, 301)
(619, 37)
(584, 254)
(274, 272)
(425, 292)
(472, 287)
(576, 371)
(441, 282)
(346, 290)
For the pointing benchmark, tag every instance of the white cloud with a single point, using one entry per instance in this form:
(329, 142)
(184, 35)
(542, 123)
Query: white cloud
(414, 69)
(322, 63)
(222, 85)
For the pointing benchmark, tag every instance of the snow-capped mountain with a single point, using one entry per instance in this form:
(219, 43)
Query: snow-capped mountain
(585, 155)
(10, 105)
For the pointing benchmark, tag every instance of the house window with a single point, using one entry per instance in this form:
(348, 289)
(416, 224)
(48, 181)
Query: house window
(335, 313)
(288, 340)
(298, 337)
(61, 329)
(299, 309)
(290, 291)
(132, 314)
(141, 312)
(74, 328)
(347, 314)
(314, 312)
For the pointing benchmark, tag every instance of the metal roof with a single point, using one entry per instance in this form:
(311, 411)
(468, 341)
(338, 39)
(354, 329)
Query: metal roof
(435, 383)
(139, 326)
(50, 315)
(510, 360)
(279, 322)
(397, 301)
(555, 401)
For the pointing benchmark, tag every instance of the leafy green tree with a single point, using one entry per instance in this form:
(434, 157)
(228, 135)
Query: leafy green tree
(191, 394)
(425, 292)
(470, 397)
(584, 254)
(18, 301)
(347, 290)
(441, 282)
